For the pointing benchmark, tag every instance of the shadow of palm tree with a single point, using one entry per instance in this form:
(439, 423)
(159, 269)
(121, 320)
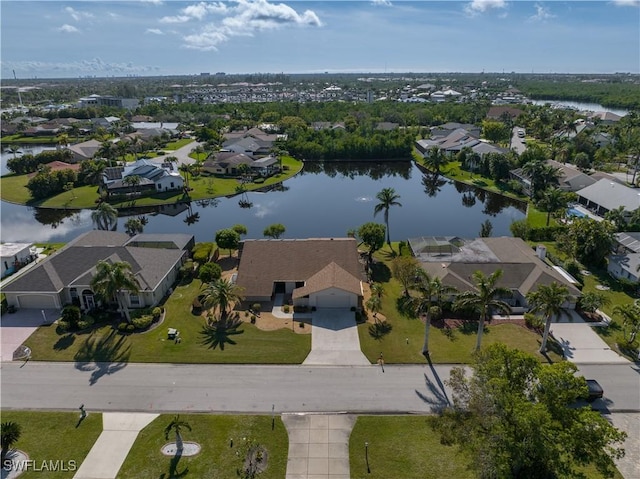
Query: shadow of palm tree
(379, 329)
(216, 334)
(64, 342)
(173, 469)
(103, 354)
(436, 394)
(404, 305)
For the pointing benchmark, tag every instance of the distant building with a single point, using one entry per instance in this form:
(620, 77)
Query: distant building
(14, 256)
(108, 100)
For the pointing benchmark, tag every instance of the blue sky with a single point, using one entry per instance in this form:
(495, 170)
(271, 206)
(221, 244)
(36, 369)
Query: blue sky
(153, 37)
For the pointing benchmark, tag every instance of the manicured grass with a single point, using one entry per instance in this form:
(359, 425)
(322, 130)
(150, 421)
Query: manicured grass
(217, 459)
(174, 145)
(13, 189)
(537, 218)
(403, 447)
(445, 346)
(249, 346)
(53, 436)
(407, 447)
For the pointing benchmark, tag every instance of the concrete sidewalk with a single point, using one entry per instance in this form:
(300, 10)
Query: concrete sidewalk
(109, 452)
(318, 445)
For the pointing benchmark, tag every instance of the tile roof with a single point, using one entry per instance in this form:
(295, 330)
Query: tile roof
(263, 262)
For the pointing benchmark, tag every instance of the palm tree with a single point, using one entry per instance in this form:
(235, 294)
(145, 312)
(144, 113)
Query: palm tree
(484, 299)
(387, 198)
(630, 320)
(10, 432)
(377, 290)
(374, 304)
(431, 291)
(222, 295)
(177, 425)
(548, 301)
(186, 169)
(14, 150)
(435, 159)
(111, 279)
(134, 226)
(105, 216)
(552, 200)
(132, 181)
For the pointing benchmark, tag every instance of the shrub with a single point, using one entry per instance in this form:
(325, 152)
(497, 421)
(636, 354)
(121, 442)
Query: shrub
(259, 180)
(123, 326)
(156, 313)
(85, 322)
(142, 322)
(256, 307)
(63, 326)
(534, 322)
(202, 252)
(209, 272)
(285, 308)
(186, 270)
(130, 328)
(435, 313)
(253, 319)
(71, 314)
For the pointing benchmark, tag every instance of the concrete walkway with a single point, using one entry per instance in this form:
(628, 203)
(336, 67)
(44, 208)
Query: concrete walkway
(581, 344)
(119, 432)
(318, 446)
(334, 339)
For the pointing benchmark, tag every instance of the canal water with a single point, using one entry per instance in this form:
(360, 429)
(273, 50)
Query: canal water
(322, 201)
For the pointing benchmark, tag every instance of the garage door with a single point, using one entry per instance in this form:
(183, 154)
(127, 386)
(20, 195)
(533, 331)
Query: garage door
(37, 301)
(333, 301)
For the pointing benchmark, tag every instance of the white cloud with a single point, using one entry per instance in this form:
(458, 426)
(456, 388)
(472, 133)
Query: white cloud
(476, 7)
(542, 14)
(77, 15)
(247, 18)
(155, 31)
(66, 28)
(93, 66)
(627, 3)
(196, 12)
(382, 3)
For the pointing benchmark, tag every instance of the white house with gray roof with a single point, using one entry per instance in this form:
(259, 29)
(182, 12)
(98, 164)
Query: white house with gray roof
(65, 277)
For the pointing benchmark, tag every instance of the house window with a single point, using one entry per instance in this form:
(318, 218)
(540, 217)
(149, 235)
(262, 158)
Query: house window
(135, 299)
(74, 293)
(172, 185)
(159, 186)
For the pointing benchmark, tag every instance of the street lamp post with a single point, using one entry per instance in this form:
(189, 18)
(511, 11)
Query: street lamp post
(366, 456)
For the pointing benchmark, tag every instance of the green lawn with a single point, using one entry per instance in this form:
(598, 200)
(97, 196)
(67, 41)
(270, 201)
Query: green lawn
(249, 346)
(217, 459)
(446, 346)
(537, 218)
(13, 189)
(407, 447)
(403, 447)
(53, 436)
(174, 145)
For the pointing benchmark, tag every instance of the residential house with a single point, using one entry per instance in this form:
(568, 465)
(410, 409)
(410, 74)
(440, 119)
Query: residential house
(499, 112)
(454, 260)
(84, 151)
(455, 141)
(606, 195)
(571, 178)
(624, 262)
(317, 273)
(65, 277)
(153, 177)
(226, 163)
(606, 117)
(14, 256)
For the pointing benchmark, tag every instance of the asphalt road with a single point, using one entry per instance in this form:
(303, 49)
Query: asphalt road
(517, 143)
(254, 389)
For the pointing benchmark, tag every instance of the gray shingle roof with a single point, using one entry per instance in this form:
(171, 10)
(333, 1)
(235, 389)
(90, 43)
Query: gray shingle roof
(611, 195)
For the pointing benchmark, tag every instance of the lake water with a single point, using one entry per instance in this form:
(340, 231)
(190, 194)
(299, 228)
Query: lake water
(323, 201)
(582, 106)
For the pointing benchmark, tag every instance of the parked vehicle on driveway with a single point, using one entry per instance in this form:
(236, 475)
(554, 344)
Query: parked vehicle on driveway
(595, 390)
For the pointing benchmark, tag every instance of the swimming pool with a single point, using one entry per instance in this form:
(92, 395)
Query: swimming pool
(576, 213)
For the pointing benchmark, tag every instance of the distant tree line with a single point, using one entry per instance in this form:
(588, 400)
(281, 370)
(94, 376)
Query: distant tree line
(22, 165)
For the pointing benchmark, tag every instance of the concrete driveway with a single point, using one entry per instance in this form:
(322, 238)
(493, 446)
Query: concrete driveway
(581, 344)
(16, 328)
(334, 339)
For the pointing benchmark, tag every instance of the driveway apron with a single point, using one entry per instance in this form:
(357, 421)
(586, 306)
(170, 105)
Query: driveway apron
(334, 339)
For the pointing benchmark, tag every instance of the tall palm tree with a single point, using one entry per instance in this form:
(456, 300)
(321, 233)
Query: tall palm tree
(111, 280)
(484, 299)
(177, 425)
(105, 216)
(552, 200)
(134, 226)
(548, 301)
(431, 291)
(222, 295)
(14, 150)
(387, 198)
(132, 181)
(10, 432)
(630, 320)
(186, 169)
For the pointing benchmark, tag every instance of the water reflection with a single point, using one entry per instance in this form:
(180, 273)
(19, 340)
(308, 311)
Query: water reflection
(326, 200)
